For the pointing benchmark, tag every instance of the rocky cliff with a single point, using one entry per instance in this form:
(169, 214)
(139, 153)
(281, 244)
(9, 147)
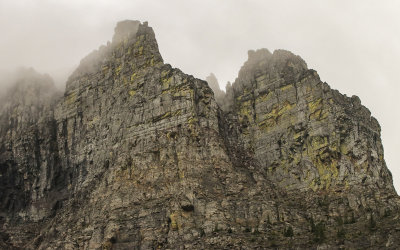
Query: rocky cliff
(138, 155)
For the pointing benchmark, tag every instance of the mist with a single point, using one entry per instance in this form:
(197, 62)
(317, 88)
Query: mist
(354, 46)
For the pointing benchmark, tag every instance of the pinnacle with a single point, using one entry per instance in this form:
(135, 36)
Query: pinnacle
(125, 30)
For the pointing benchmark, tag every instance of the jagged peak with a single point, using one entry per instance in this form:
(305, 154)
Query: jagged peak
(213, 83)
(288, 59)
(129, 36)
(125, 30)
(28, 78)
(258, 55)
(263, 62)
(28, 88)
(263, 59)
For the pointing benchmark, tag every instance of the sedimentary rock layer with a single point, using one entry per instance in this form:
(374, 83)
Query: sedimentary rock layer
(137, 154)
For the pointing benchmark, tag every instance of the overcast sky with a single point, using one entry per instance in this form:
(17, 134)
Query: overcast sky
(353, 45)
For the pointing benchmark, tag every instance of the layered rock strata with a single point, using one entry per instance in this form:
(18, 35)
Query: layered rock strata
(138, 155)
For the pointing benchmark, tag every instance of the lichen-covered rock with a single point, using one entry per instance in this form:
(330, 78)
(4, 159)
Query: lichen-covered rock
(138, 155)
(302, 133)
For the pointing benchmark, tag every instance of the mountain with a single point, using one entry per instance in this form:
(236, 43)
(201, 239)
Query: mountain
(138, 155)
(219, 95)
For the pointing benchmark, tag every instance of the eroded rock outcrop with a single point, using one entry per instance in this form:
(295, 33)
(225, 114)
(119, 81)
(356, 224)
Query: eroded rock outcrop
(304, 134)
(137, 154)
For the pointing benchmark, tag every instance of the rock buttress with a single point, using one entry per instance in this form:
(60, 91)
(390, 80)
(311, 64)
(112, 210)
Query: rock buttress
(302, 133)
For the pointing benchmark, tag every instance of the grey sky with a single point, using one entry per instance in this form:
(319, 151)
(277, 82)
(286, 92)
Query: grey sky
(354, 45)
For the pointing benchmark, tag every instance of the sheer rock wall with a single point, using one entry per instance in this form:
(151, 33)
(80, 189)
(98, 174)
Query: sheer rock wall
(137, 154)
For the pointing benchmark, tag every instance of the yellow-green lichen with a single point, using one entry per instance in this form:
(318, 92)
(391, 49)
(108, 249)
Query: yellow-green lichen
(71, 98)
(170, 114)
(286, 88)
(166, 115)
(346, 184)
(171, 135)
(137, 43)
(314, 105)
(133, 76)
(181, 174)
(132, 92)
(278, 112)
(318, 142)
(125, 80)
(178, 112)
(317, 111)
(264, 98)
(164, 73)
(245, 111)
(192, 120)
(104, 69)
(175, 218)
(344, 149)
(298, 135)
(179, 92)
(92, 122)
(327, 173)
(118, 70)
(166, 83)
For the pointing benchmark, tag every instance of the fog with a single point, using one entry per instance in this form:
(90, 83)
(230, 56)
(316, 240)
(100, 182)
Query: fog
(353, 45)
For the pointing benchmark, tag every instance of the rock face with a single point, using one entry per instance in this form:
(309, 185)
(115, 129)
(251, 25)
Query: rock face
(28, 151)
(302, 133)
(138, 155)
